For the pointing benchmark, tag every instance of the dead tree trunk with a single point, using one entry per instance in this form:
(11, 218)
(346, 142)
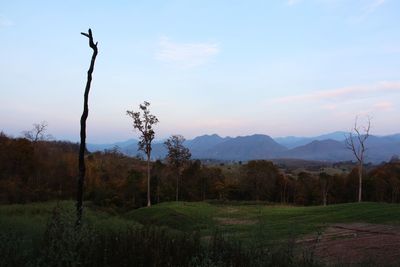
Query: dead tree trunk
(82, 147)
(325, 184)
(360, 174)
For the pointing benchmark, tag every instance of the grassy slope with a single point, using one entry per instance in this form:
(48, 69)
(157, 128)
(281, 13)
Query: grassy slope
(262, 222)
(31, 219)
(247, 222)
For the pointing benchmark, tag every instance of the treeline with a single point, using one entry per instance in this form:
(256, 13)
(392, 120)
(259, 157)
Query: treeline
(47, 170)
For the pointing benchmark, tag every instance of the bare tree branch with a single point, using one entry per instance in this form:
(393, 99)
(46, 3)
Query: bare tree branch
(358, 149)
(37, 132)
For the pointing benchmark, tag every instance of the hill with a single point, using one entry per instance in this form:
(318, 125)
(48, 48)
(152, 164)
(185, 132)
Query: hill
(124, 145)
(242, 220)
(256, 146)
(201, 144)
(294, 141)
(328, 147)
(325, 150)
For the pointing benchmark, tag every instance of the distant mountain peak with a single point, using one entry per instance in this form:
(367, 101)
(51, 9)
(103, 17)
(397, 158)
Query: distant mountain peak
(327, 147)
(257, 146)
(294, 141)
(207, 136)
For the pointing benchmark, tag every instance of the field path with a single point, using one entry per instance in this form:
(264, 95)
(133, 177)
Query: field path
(356, 243)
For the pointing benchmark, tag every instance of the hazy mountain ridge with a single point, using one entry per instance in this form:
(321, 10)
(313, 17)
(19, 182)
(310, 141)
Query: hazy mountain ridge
(204, 142)
(327, 147)
(256, 146)
(121, 145)
(323, 150)
(294, 141)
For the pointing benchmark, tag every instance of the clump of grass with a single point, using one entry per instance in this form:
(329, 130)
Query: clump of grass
(15, 251)
(65, 245)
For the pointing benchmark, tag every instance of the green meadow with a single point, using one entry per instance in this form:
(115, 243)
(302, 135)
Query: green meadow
(244, 221)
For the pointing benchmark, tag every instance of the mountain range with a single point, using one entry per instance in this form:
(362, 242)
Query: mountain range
(328, 147)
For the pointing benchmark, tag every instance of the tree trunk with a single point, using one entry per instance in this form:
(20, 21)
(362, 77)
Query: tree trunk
(82, 147)
(148, 181)
(177, 187)
(283, 197)
(360, 173)
(324, 191)
(158, 191)
(204, 190)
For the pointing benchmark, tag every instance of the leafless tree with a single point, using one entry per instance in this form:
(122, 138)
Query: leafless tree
(144, 123)
(177, 156)
(82, 147)
(355, 142)
(38, 132)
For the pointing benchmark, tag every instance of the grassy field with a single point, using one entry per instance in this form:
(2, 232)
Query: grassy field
(32, 218)
(263, 223)
(244, 221)
(180, 233)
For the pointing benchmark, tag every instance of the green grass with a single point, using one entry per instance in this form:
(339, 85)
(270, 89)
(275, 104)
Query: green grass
(264, 223)
(260, 222)
(35, 234)
(185, 216)
(31, 219)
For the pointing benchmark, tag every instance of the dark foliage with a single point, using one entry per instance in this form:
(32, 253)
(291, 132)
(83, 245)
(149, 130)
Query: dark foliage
(47, 170)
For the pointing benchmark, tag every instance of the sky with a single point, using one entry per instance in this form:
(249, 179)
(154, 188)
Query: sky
(279, 67)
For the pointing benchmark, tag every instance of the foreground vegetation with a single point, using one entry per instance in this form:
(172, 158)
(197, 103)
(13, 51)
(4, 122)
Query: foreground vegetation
(172, 234)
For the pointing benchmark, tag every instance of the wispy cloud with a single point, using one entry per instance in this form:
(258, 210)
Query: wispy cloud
(368, 9)
(5, 22)
(384, 105)
(330, 107)
(186, 54)
(292, 2)
(344, 93)
(373, 5)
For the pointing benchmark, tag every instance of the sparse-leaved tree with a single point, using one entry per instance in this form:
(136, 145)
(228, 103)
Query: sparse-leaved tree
(144, 122)
(177, 156)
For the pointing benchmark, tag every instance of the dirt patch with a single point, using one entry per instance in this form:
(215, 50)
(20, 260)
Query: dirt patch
(235, 221)
(231, 210)
(356, 243)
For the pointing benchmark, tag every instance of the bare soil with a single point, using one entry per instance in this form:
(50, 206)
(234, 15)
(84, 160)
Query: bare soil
(356, 243)
(231, 210)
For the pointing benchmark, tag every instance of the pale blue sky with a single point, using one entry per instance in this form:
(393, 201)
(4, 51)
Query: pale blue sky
(298, 67)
